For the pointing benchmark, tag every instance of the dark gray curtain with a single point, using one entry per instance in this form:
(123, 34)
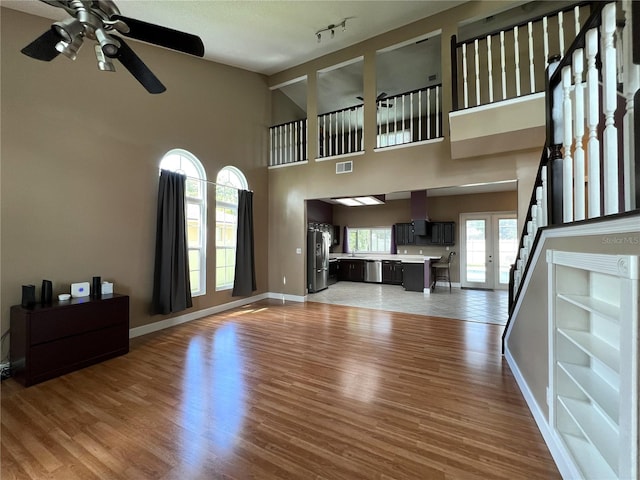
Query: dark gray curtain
(171, 285)
(244, 282)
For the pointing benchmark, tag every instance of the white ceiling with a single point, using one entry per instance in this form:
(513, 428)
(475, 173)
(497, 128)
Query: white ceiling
(266, 36)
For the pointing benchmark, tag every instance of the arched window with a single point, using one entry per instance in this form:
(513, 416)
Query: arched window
(229, 181)
(181, 161)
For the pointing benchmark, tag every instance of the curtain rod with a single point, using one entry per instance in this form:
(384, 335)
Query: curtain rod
(207, 181)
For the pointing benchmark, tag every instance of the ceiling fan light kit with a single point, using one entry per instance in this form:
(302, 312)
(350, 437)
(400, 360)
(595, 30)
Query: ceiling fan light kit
(97, 20)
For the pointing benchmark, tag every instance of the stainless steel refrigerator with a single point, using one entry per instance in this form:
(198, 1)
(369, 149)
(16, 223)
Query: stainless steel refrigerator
(318, 244)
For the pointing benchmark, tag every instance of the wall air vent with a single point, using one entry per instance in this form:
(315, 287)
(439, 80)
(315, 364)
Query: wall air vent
(344, 167)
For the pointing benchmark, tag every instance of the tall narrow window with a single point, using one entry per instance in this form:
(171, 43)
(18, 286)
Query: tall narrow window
(181, 161)
(229, 181)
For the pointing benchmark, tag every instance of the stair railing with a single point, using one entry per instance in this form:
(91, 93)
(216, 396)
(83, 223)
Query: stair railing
(590, 94)
(510, 62)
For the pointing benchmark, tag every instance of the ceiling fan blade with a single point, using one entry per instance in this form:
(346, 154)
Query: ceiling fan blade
(382, 96)
(163, 36)
(44, 47)
(360, 98)
(138, 69)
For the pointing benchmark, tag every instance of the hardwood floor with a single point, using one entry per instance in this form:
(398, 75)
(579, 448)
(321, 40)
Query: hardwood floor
(283, 391)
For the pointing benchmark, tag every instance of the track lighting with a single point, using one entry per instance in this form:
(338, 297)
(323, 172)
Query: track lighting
(104, 64)
(70, 49)
(109, 45)
(68, 29)
(332, 29)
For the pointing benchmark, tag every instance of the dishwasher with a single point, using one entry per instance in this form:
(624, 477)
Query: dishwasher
(373, 271)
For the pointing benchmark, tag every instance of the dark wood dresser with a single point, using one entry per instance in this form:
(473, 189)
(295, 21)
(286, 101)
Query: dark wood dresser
(50, 340)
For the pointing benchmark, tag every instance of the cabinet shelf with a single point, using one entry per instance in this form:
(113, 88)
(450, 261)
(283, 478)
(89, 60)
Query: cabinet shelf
(594, 387)
(594, 347)
(588, 458)
(599, 432)
(604, 309)
(593, 358)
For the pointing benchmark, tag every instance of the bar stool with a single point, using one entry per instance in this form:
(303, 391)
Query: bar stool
(442, 271)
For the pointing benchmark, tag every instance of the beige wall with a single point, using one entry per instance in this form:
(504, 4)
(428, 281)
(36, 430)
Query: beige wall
(80, 156)
(528, 340)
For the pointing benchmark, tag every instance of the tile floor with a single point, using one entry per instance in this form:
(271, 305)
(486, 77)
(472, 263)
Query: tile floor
(482, 306)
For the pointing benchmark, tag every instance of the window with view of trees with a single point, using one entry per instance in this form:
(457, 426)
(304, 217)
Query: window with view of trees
(228, 182)
(370, 240)
(184, 162)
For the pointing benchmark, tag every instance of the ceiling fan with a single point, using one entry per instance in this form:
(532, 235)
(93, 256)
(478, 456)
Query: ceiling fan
(97, 20)
(379, 101)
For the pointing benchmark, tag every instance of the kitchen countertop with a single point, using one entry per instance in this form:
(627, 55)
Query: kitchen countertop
(382, 256)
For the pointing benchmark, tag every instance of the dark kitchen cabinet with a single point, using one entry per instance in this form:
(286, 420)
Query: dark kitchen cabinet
(351, 270)
(413, 276)
(442, 233)
(392, 272)
(405, 234)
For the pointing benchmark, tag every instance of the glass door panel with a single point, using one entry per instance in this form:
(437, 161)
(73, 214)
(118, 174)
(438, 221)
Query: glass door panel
(476, 247)
(489, 246)
(507, 248)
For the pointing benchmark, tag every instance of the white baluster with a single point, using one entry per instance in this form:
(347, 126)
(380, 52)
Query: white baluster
(306, 139)
(289, 155)
(534, 220)
(437, 112)
(420, 113)
(429, 114)
(567, 163)
(324, 136)
(299, 131)
(561, 33)
(379, 127)
(516, 48)
(502, 67)
(465, 86)
(610, 136)
(631, 85)
(477, 64)
(576, 18)
(361, 109)
(395, 121)
(532, 72)
(578, 133)
(351, 112)
(490, 68)
(388, 110)
(271, 145)
(331, 142)
(412, 115)
(403, 117)
(593, 112)
(540, 203)
(545, 40)
(545, 209)
(342, 134)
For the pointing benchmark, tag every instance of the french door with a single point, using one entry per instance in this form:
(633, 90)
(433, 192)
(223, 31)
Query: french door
(488, 244)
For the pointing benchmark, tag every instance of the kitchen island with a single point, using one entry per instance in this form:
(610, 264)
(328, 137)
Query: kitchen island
(365, 268)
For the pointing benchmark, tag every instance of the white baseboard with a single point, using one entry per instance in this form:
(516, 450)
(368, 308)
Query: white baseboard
(287, 297)
(560, 455)
(188, 317)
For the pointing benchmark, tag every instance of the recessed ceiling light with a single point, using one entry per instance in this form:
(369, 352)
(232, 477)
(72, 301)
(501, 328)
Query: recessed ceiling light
(359, 201)
(349, 202)
(369, 200)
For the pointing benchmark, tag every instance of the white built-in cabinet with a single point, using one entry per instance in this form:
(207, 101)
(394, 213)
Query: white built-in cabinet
(593, 364)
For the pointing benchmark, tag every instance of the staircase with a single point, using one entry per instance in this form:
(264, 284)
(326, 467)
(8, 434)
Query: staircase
(586, 200)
